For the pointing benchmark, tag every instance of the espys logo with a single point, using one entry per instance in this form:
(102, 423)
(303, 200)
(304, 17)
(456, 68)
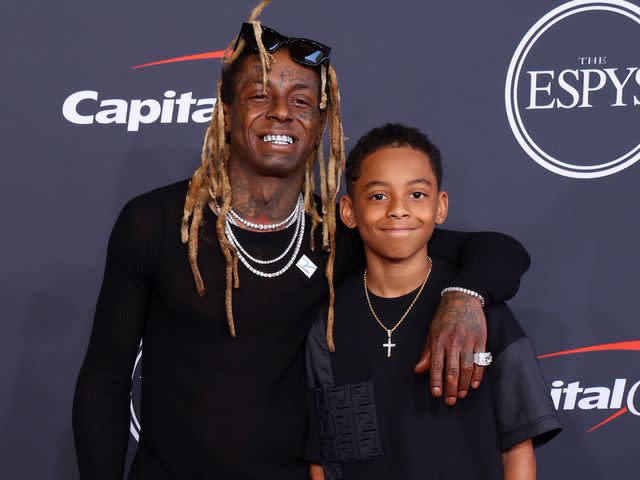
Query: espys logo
(572, 92)
(623, 396)
(88, 107)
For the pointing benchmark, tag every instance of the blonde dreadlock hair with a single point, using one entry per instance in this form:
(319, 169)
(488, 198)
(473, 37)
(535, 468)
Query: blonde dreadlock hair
(211, 180)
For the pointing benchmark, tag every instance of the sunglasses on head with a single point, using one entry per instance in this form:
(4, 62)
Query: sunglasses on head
(304, 51)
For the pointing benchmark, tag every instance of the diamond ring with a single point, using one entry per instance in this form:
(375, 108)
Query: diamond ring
(482, 359)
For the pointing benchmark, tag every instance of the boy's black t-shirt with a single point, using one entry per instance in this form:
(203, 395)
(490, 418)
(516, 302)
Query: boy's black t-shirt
(377, 419)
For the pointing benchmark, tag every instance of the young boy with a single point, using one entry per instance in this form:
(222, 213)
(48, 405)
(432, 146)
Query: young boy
(371, 417)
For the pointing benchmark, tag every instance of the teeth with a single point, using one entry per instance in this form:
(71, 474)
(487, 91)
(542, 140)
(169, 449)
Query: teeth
(278, 139)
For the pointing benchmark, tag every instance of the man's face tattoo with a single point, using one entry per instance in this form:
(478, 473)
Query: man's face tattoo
(275, 129)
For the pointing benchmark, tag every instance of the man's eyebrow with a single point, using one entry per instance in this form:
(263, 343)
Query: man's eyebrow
(252, 79)
(301, 86)
(257, 80)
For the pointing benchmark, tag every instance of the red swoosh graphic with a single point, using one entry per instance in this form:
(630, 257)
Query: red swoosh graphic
(197, 56)
(632, 345)
(607, 420)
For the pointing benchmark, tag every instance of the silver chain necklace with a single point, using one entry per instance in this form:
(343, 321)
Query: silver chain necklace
(269, 226)
(260, 273)
(234, 240)
(296, 216)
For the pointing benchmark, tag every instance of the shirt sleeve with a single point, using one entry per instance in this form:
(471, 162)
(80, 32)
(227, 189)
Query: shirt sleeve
(522, 402)
(489, 263)
(102, 395)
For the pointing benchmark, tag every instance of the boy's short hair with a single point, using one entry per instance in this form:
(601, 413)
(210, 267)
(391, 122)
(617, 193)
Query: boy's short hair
(391, 135)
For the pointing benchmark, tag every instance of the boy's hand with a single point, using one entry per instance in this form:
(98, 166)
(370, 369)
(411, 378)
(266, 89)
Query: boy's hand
(458, 329)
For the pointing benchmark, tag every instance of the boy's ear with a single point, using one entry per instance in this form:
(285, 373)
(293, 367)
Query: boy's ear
(346, 212)
(442, 208)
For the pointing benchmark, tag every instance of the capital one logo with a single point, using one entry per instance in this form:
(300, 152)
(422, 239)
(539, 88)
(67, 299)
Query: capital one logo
(572, 91)
(89, 107)
(621, 395)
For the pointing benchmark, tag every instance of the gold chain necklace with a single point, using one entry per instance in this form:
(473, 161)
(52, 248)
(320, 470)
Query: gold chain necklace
(389, 331)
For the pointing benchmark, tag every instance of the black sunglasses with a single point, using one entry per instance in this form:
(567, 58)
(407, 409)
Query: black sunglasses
(304, 51)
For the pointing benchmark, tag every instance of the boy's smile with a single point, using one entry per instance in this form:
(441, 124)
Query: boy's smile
(395, 205)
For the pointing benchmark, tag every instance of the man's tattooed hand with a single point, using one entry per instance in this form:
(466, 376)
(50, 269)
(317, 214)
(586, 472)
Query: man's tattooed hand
(458, 329)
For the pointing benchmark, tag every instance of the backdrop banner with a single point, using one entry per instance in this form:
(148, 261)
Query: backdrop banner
(535, 105)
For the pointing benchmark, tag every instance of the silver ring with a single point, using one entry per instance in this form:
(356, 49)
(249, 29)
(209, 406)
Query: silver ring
(482, 359)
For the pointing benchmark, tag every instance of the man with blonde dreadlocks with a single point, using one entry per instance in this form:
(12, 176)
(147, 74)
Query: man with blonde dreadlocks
(224, 319)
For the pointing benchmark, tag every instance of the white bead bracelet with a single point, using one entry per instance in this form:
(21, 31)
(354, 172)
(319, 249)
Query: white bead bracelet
(466, 291)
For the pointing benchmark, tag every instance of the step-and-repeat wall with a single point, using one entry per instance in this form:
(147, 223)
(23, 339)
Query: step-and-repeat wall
(535, 104)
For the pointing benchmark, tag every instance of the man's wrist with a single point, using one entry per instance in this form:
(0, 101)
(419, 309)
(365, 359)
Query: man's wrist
(465, 291)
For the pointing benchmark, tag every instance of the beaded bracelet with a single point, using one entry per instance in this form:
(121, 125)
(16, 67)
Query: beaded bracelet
(465, 291)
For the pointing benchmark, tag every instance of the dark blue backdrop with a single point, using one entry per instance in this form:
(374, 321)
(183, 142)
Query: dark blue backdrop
(441, 66)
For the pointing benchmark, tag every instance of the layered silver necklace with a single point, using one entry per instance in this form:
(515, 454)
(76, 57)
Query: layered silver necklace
(295, 217)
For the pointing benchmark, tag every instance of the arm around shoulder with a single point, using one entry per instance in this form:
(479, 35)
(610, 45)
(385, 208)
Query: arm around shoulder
(490, 263)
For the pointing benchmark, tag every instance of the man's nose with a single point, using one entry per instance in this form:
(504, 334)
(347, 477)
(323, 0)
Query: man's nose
(280, 109)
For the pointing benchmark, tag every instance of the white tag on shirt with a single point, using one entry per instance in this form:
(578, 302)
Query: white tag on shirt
(307, 266)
